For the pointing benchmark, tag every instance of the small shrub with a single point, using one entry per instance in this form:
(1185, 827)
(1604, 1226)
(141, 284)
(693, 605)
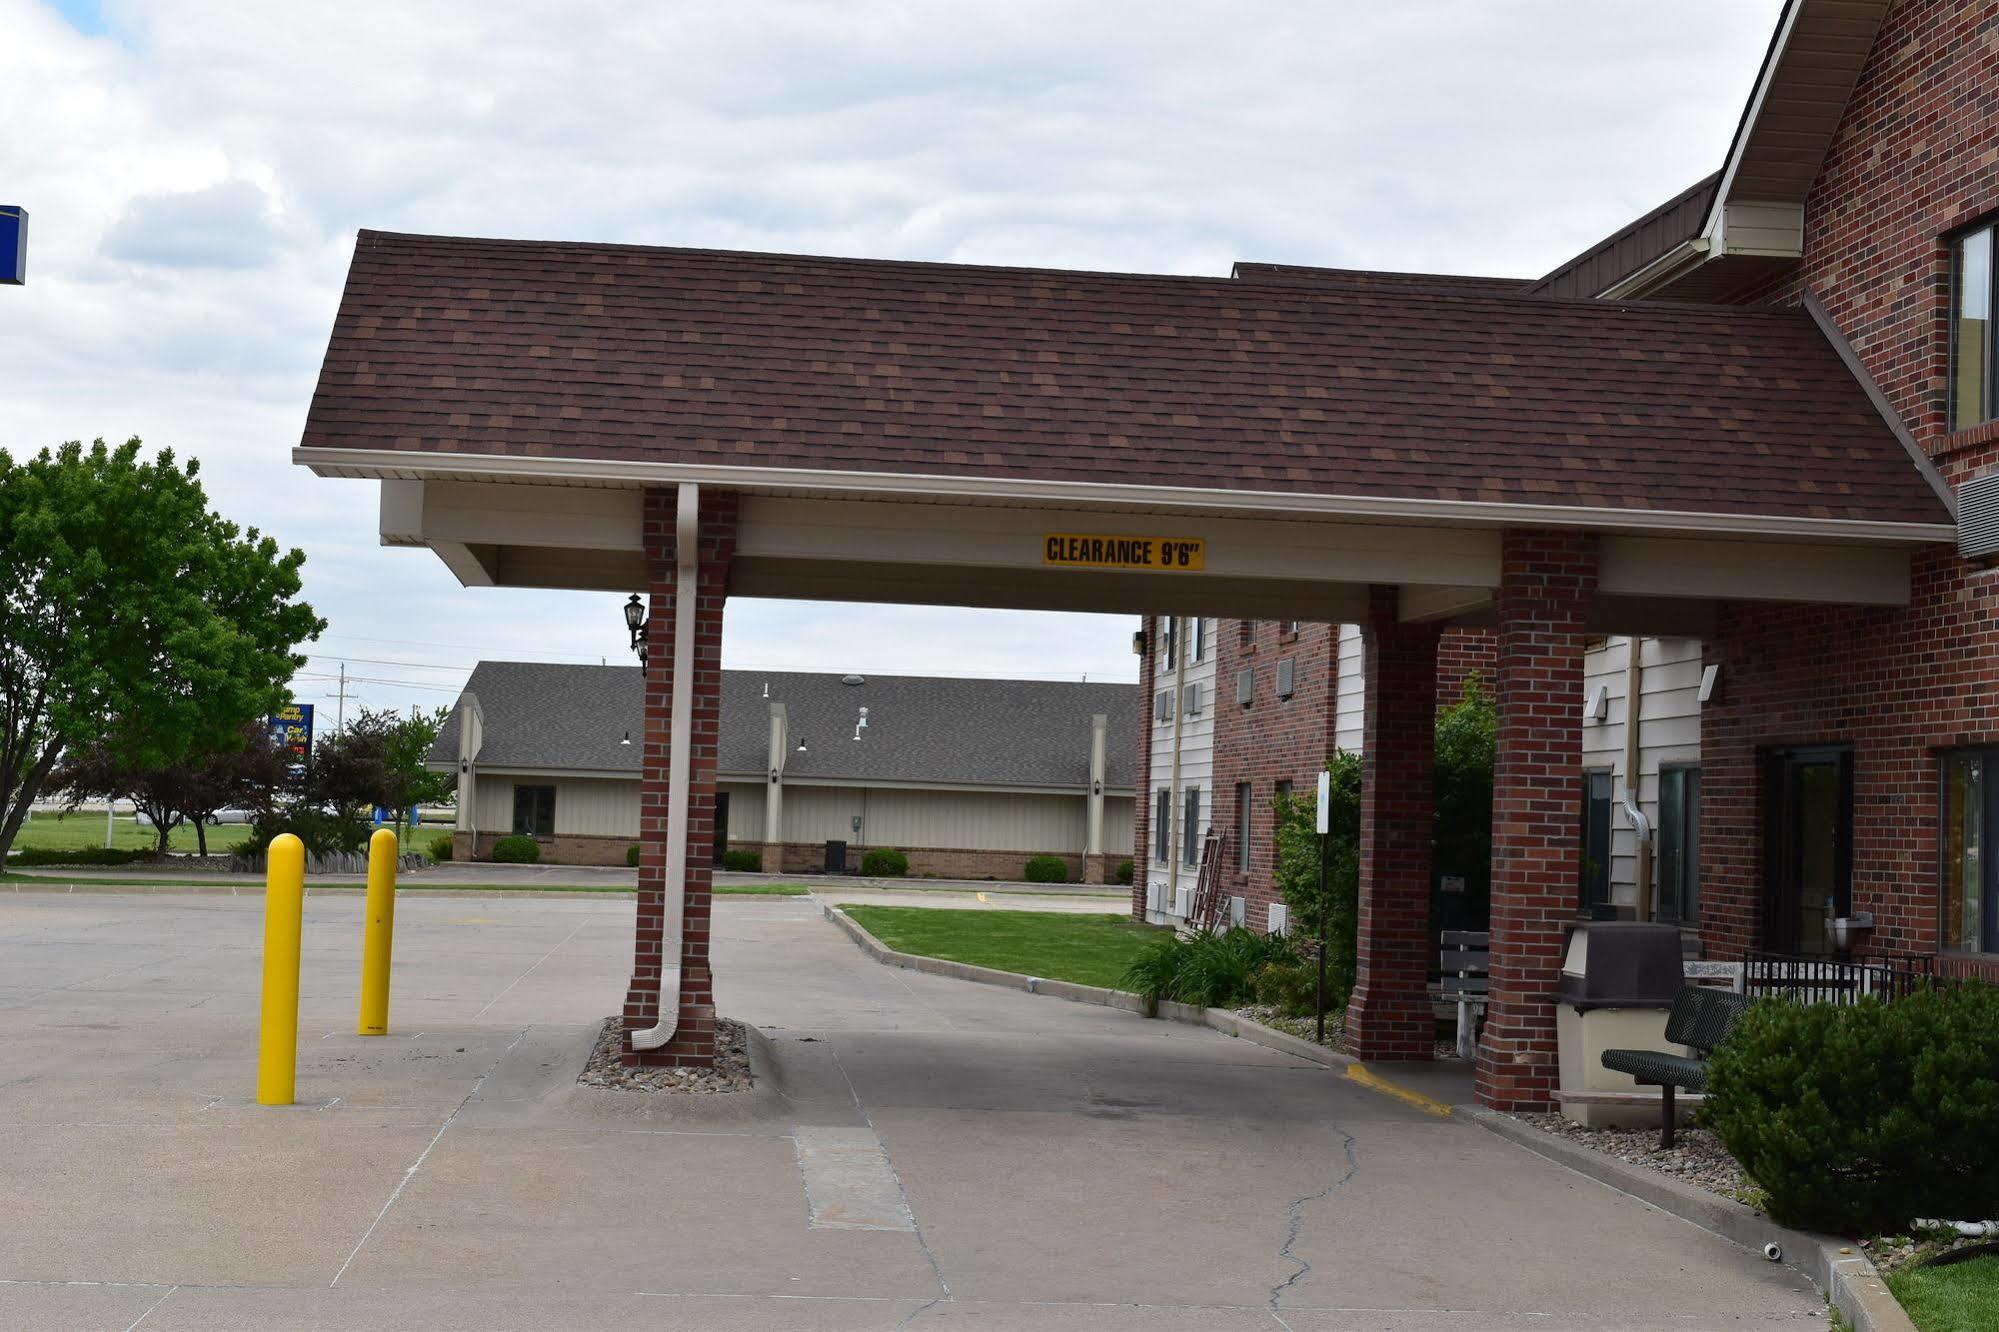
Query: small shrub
(1123, 874)
(517, 850)
(1207, 970)
(82, 855)
(885, 862)
(742, 862)
(1047, 869)
(440, 847)
(1858, 1118)
(632, 855)
(1292, 988)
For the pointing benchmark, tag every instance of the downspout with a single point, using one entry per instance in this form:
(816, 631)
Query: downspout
(686, 570)
(1093, 835)
(1173, 810)
(1641, 827)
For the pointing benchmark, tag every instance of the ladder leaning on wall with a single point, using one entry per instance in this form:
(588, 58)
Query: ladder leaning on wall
(1209, 902)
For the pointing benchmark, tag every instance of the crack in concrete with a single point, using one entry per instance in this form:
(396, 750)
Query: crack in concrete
(1295, 1215)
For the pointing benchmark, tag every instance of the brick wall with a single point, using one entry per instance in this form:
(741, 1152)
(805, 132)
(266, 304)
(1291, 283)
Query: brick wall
(694, 1041)
(1546, 582)
(935, 862)
(1913, 160)
(1462, 653)
(568, 849)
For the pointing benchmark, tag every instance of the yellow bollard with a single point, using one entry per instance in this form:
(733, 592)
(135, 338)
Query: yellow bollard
(378, 934)
(284, 904)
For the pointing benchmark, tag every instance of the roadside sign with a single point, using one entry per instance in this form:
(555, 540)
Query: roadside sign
(1096, 550)
(13, 244)
(1325, 801)
(291, 731)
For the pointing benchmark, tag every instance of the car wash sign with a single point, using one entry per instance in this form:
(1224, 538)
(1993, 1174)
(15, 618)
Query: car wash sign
(291, 731)
(1079, 550)
(13, 244)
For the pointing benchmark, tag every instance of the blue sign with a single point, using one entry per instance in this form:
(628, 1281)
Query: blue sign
(291, 731)
(13, 244)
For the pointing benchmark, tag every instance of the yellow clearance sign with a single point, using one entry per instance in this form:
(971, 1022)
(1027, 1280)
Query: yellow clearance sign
(1089, 551)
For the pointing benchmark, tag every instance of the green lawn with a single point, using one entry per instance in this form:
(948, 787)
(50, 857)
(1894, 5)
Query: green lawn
(760, 890)
(1957, 1297)
(81, 831)
(1061, 945)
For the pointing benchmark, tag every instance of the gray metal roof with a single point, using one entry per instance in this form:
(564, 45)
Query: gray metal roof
(1013, 733)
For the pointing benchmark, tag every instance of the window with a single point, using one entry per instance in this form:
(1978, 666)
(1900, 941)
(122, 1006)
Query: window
(1162, 827)
(1970, 877)
(1288, 628)
(1279, 794)
(1679, 871)
(1595, 887)
(1244, 813)
(1169, 637)
(1198, 630)
(534, 811)
(1973, 364)
(1190, 828)
(1245, 634)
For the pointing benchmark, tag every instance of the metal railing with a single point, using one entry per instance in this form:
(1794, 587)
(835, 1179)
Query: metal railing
(1832, 980)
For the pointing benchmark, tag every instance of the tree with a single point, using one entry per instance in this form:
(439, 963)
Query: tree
(130, 609)
(378, 760)
(1467, 734)
(1297, 876)
(192, 790)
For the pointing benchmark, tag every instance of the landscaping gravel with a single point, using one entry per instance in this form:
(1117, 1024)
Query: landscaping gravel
(731, 1072)
(1696, 1156)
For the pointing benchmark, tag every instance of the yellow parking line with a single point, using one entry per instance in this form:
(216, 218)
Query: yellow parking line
(1373, 1081)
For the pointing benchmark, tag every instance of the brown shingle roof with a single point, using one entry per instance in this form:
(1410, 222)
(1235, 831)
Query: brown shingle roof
(1398, 390)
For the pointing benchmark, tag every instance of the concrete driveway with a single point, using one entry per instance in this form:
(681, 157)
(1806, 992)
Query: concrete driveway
(928, 1153)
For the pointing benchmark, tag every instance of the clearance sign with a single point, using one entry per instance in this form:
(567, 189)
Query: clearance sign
(1078, 550)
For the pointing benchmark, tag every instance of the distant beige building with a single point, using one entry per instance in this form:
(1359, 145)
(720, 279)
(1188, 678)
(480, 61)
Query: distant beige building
(968, 777)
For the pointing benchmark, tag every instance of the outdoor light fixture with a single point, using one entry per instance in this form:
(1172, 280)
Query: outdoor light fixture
(627, 740)
(801, 744)
(773, 776)
(635, 622)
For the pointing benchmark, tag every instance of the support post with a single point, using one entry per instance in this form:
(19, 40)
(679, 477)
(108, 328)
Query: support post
(378, 934)
(1389, 1017)
(284, 909)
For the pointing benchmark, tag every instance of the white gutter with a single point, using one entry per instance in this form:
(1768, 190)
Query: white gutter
(686, 566)
(394, 464)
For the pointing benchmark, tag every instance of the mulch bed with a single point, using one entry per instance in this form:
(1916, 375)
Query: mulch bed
(731, 1072)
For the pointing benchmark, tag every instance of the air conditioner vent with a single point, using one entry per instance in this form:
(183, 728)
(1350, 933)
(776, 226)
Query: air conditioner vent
(1978, 517)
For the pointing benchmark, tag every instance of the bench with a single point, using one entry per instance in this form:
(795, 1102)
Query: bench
(1701, 1019)
(1465, 958)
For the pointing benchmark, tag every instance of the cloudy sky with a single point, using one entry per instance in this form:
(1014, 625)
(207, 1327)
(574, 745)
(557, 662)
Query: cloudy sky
(195, 171)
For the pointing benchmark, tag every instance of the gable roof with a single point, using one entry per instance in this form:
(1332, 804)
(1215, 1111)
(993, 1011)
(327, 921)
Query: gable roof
(547, 717)
(1435, 392)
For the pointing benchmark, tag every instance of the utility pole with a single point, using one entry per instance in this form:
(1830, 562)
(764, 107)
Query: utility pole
(340, 717)
(110, 821)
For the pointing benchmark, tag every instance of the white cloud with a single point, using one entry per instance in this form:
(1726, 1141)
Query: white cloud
(197, 173)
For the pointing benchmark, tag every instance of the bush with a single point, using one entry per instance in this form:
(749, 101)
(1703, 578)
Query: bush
(1859, 1118)
(1297, 876)
(517, 850)
(632, 855)
(742, 862)
(1292, 988)
(1123, 874)
(82, 855)
(1047, 869)
(440, 847)
(1207, 970)
(885, 862)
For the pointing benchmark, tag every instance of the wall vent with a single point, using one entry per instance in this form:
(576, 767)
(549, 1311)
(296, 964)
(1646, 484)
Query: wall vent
(1978, 517)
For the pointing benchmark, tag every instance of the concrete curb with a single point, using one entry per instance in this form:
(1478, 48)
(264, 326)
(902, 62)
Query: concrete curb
(1219, 1019)
(1845, 1275)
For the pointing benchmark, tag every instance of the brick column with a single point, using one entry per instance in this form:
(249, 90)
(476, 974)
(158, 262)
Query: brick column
(1546, 582)
(694, 1042)
(1389, 1016)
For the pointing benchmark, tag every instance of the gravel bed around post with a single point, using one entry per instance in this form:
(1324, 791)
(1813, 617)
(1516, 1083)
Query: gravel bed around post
(1696, 1156)
(731, 1072)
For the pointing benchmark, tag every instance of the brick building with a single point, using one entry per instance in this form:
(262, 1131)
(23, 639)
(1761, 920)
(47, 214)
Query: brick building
(1747, 421)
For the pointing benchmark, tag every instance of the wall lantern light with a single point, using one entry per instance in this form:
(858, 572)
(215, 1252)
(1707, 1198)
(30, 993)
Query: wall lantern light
(635, 623)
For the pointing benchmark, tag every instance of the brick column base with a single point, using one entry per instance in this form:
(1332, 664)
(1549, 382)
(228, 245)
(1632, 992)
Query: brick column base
(694, 1040)
(1389, 1016)
(1546, 582)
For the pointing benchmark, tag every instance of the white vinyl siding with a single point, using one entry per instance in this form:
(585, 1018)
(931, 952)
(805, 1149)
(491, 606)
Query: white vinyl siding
(1350, 698)
(1669, 733)
(584, 806)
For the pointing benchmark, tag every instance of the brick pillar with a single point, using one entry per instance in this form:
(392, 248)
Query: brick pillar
(1546, 582)
(694, 1042)
(1389, 1016)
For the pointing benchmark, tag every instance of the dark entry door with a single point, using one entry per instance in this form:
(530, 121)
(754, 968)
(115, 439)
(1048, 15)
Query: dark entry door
(721, 824)
(1808, 846)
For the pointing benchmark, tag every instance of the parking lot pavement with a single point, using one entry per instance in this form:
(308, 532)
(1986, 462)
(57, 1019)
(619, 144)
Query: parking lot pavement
(922, 1152)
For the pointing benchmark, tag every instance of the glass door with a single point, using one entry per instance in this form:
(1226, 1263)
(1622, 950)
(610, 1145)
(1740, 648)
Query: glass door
(1808, 847)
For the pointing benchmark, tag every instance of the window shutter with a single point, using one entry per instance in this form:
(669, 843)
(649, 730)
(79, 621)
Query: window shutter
(1163, 705)
(1192, 702)
(1245, 687)
(1287, 678)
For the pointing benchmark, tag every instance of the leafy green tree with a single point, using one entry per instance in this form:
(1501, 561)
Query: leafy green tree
(1466, 743)
(130, 609)
(1297, 876)
(190, 791)
(376, 761)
